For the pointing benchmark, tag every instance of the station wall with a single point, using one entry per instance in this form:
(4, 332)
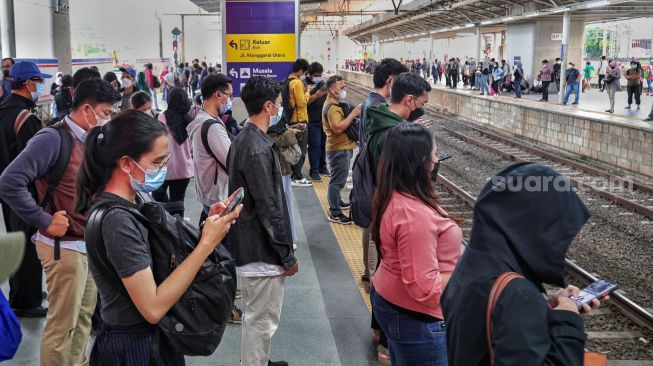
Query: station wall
(34, 35)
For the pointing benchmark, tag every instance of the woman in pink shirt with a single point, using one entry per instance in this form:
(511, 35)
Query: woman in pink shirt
(418, 245)
(180, 163)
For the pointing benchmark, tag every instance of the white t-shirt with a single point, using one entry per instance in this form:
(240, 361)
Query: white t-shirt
(259, 269)
(603, 67)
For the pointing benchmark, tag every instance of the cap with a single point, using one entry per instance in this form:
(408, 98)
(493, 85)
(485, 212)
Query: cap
(129, 70)
(12, 248)
(25, 70)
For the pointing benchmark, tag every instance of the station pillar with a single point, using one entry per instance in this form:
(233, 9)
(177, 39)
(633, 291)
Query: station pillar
(478, 43)
(564, 54)
(7, 29)
(61, 36)
(541, 39)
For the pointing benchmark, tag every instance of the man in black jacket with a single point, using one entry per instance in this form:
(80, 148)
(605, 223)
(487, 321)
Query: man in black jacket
(17, 125)
(532, 240)
(261, 240)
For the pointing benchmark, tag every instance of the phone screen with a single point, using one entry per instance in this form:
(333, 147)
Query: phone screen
(235, 202)
(595, 290)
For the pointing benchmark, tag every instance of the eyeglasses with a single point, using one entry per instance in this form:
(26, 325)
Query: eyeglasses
(230, 96)
(421, 101)
(157, 166)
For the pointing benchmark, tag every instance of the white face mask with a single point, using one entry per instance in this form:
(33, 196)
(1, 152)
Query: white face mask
(126, 83)
(99, 120)
(342, 95)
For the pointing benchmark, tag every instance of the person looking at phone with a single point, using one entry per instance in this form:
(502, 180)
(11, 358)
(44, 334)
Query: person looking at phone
(127, 156)
(261, 241)
(316, 136)
(296, 97)
(527, 231)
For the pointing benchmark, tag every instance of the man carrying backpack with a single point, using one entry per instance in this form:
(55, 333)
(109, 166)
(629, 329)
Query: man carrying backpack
(17, 126)
(296, 96)
(51, 160)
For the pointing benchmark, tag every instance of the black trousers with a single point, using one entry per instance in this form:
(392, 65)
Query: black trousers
(297, 168)
(545, 90)
(26, 285)
(601, 83)
(636, 91)
(177, 189)
(316, 147)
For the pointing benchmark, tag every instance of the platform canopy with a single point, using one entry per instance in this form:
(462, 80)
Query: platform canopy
(212, 6)
(421, 18)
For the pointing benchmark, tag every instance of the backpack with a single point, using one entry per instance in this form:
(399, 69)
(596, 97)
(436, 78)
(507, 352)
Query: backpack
(10, 333)
(354, 128)
(155, 82)
(56, 173)
(362, 192)
(288, 109)
(194, 326)
(204, 133)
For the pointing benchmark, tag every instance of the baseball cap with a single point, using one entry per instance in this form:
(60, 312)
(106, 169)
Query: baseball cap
(129, 70)
(25, 70)
(12, 248)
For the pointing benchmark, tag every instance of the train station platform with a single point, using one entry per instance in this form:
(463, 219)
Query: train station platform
(622, 140)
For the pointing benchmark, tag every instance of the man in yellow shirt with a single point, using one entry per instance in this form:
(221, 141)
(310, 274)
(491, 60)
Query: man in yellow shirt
(339, 146)
(297, 97)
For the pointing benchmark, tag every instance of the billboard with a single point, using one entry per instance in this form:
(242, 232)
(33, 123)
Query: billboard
(261, 38)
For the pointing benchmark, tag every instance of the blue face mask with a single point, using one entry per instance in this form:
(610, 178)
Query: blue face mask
(224, 108)
(275, 119)
(40, 89)
(317, 79)
(154, 179)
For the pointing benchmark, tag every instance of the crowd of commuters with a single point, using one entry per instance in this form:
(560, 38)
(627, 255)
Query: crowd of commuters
(110, 147)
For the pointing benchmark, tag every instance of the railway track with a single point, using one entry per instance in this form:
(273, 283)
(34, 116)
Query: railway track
(622, 328)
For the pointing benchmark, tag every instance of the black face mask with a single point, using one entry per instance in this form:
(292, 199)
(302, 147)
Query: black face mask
(415, 114)
(5, 73)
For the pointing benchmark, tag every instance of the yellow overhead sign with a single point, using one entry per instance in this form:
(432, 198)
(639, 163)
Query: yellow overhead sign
(260, 47)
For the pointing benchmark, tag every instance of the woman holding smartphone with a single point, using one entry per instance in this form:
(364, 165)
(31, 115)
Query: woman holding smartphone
(126, 156)
(419, 246)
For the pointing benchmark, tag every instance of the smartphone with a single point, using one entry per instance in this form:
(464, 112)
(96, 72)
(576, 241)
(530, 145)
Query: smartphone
(596, 290)
(235, 202)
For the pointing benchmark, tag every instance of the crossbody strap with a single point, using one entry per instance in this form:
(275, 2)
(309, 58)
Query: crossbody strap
(497, 288)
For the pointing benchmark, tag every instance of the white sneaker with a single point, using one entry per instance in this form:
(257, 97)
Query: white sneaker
(301, 183)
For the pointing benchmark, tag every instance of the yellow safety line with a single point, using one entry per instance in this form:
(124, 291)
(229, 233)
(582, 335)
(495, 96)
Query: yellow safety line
(349, 237)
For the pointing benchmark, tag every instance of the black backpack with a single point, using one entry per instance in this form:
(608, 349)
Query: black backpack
(194, 326)
(353, 130)
(204, 134)
(155, 82)
(364, 185)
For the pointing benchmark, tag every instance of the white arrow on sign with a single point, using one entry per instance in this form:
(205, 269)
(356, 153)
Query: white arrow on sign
(233, 73)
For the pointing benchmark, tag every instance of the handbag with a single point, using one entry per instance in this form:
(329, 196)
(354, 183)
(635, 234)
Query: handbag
(590, 358)
(291, 153)
(10, 333)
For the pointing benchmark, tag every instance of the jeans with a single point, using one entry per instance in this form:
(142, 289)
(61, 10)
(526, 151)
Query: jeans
(650, 86)
(568, 90)
(412, 341)
(297, 168)
(155, 101)
(634, 90)
(316, 147)
(483, 84)
(650, 115)
(517, 87)
(339, 163)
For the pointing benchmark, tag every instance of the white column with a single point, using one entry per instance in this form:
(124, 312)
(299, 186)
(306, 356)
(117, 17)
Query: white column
(478, 43)
(565, 54)
(7, 29)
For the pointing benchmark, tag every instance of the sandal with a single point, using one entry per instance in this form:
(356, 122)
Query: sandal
(376, 337)
(383, 356)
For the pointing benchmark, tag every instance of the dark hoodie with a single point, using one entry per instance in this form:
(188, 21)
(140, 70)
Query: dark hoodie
(528, 233)
(379, 121)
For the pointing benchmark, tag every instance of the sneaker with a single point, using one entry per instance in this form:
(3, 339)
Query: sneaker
(627, 107)
(340, 219)
(277, 363)
(301, 183)
(316, 177)
(236, 316)
(37, 312)
(344, 205)
(238, 294)
(294, 246)
(649, 119)
(574, 103)
(325, 173)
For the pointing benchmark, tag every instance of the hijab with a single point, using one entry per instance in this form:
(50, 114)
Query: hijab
(177, 116)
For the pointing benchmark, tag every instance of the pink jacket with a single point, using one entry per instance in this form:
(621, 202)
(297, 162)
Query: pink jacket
(418, 245)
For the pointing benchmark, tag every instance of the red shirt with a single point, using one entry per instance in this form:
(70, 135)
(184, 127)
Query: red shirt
(418, 245)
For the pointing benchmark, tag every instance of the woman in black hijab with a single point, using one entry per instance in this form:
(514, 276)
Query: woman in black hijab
(180, 163)
(525, 219)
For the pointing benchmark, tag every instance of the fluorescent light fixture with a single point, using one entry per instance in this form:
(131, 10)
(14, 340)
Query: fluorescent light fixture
(433, 32)
(559, 10)
(486, 22)
(423, 34)
(455, 27)
(507, 19)
(597, 4)
(469, 25)
(532, 15)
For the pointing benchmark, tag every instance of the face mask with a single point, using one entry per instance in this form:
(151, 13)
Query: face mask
(224, 108)
(5, 73)
(40, 89)
(58, 82)
(342, 95)
(154, 179)
(276, 119)
(415, 114)
(126, 83)
(98, 120)
(317, 79)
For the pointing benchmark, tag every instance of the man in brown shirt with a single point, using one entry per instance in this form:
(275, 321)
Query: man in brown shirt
(339, 146)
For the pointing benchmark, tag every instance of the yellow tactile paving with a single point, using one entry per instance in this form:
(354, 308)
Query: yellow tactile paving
(349, 237)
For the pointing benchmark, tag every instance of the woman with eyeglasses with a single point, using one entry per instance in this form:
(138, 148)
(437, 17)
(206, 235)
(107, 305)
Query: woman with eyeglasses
(419, 246)
(123, 157)
(180, 165)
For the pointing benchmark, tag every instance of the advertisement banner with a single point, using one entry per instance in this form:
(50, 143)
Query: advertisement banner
(260, 39)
